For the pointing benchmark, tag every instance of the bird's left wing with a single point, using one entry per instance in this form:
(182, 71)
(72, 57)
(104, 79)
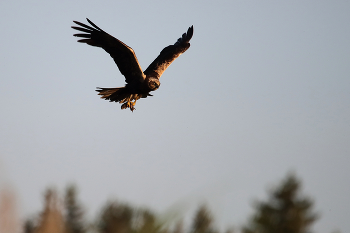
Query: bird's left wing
(169, 54)
(123, 55)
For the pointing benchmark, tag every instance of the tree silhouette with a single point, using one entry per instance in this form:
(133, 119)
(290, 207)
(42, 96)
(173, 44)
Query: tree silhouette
(115, 218)
(73, 212)
(146, 222)
(51, 219)
(8, 214)
(29, 226)
(286, 211)
(203, 221)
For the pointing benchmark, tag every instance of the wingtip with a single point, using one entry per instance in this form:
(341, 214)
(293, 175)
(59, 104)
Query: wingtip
(190, 29)
(190, 33)
(76, 22)
(94, 25)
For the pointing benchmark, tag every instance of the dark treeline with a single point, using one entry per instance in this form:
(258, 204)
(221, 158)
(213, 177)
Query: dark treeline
(285, 211)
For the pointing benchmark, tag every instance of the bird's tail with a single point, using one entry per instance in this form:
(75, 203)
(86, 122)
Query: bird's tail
(118, 94)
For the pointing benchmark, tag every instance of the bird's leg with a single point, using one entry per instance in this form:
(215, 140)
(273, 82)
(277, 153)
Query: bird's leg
(126, 105)
(129, 104)
(132, 104)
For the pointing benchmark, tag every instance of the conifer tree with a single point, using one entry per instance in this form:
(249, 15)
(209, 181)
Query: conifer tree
(74, 213)
(116, 218)
(51, 219)
(286, 211)
(147, 222)
(29, 226)
(8, 214)
(203, 221)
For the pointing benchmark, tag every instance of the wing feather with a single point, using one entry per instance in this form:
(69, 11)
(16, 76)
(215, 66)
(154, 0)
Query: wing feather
(82, 29)
(82, 35)
(169, 54)
(123, 55)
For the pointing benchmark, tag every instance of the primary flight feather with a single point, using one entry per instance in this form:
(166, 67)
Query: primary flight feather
(139, 83)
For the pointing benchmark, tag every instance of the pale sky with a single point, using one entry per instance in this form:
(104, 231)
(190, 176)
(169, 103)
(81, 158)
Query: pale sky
(263, 90)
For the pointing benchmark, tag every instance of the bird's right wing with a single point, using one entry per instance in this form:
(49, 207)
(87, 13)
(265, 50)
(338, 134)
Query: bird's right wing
(123, 55)
(169, 54)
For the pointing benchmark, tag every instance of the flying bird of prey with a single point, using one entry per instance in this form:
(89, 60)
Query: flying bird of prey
(139, 83)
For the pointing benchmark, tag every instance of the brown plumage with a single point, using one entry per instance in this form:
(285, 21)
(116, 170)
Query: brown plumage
(139, 84)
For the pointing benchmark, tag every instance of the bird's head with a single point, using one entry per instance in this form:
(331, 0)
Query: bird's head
(153, 84)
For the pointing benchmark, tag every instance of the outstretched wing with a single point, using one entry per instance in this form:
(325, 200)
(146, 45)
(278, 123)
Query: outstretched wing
(123, 55)
(169, 54)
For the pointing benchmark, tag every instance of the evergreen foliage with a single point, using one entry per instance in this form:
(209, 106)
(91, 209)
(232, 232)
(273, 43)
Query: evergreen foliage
(51, 219)
(115, 218)
(203, 221)
(286, 211)
(74, 213)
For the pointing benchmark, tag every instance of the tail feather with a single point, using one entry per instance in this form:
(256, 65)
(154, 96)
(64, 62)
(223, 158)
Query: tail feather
(118, 94)
(121, 95)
